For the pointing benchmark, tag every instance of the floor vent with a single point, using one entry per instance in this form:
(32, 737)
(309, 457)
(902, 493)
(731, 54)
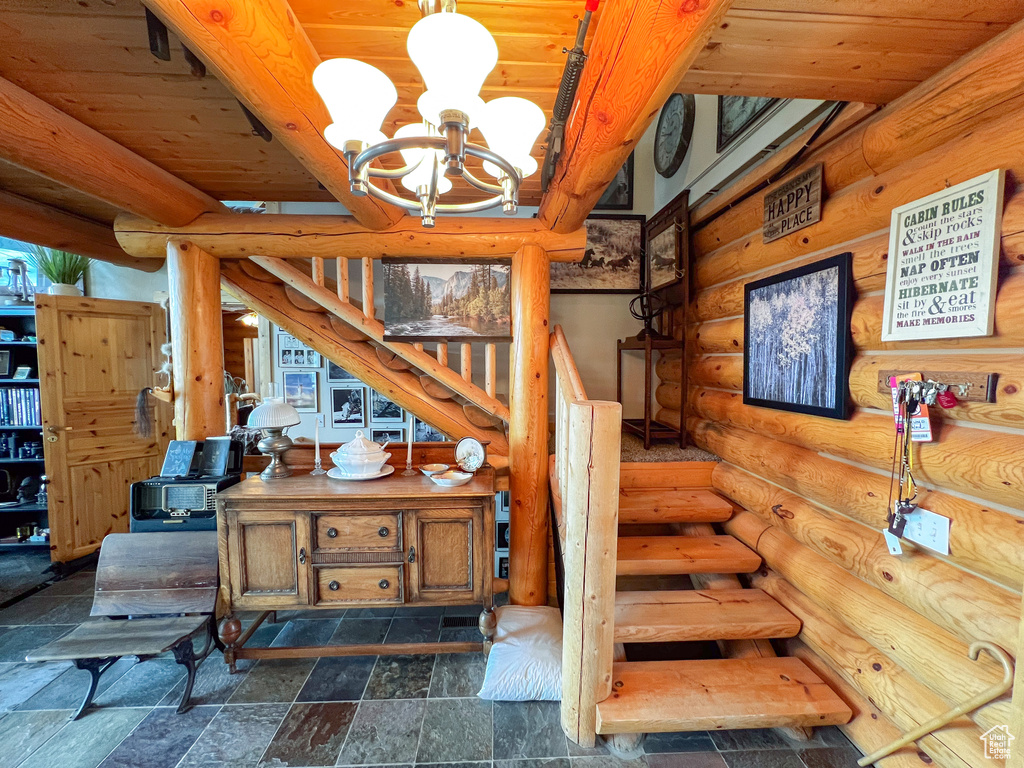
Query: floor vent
(453, 622)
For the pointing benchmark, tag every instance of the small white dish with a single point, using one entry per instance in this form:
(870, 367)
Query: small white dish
(337, 474)
(434, 469)
(452, 478)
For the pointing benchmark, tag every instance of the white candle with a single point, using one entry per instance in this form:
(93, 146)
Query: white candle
(410, 436)
(316, 437)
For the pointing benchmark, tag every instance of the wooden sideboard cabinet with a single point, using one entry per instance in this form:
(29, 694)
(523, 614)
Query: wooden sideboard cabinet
(308, 542)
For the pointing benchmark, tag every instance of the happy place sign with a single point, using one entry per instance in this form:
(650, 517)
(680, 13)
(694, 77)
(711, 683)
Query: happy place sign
(943, 251)
(793, 205)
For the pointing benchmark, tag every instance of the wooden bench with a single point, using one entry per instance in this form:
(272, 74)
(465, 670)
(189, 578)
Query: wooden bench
(156, 593)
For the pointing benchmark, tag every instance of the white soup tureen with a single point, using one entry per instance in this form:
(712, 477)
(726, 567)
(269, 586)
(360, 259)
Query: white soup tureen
(360, 457)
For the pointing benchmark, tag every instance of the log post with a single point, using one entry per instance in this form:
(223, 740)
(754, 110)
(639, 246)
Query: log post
(197, 337)
(528, 427)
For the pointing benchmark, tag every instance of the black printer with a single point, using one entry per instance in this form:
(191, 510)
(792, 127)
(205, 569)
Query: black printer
(183, 497)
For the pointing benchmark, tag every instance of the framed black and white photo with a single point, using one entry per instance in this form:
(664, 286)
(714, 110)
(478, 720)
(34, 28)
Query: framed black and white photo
(612, 261)
(387, 435)
(348, 407)
(5, 362)
(296, 357)
(737, 114)
(336, 373)
(383, 410)
(427, 434)
(300, 390)
(438, 301)
(796, 351)
(618, 196)
(667, 235)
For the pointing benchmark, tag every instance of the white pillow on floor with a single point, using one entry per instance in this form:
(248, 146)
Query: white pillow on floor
(525, 663)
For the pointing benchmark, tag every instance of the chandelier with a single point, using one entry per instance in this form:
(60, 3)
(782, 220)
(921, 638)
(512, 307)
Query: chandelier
(454, 54)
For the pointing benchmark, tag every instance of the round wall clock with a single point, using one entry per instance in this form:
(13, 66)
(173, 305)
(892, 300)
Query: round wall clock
(675, 129)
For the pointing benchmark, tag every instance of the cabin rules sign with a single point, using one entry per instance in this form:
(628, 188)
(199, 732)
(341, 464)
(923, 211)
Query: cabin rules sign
(793, 205)
(943, 253)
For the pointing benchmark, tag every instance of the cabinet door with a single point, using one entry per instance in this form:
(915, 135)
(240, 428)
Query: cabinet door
(268, 559)
(447, 556)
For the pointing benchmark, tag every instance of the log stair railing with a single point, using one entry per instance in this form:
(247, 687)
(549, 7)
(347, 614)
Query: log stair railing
(597, 515)
(296, 295)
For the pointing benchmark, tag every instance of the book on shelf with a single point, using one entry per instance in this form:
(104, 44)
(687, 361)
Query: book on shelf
(19, 407)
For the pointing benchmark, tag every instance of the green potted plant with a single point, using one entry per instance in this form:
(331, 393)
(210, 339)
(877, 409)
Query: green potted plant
(62, 268)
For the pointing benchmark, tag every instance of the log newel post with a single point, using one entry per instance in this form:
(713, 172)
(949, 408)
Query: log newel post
(528, 427)
(197, 339)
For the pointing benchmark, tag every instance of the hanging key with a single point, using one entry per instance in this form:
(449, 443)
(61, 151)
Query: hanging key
(946, 398)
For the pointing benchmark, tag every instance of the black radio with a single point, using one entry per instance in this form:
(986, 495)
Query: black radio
(184, 496)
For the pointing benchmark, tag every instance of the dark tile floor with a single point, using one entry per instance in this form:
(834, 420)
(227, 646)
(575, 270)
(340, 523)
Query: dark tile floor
(361, 711)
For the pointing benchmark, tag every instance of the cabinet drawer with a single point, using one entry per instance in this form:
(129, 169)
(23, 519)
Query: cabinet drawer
(373, 532)
(359, 584)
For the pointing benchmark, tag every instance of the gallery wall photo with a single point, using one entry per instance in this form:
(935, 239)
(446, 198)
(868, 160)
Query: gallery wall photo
(613, 261)
(797, 345)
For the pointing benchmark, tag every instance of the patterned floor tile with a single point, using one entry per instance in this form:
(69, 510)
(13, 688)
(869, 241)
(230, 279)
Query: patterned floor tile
(306, 632)
(161, 740)
(310, 735)
(67, 610)
(686, 760)
(753, 738)
(145, 684)
(338, 679)
(81, 583)
(830, 757)
(360, 632)
(18, 641)
(457, 675)
(606, 761)
(384, 732)
(421, 629)
(763, 758)
(369, 613)
(695, 741)
(24, 732)
(273, 680)
(525, 729)
(86, 742)
(236, 737)
(31, 608)
(20, 682)
(455, 730)
(400, 677)
(214, 682)
(68, 690)
(543, 762)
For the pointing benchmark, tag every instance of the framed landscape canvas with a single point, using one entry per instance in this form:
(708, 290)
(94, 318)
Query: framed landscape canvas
(384, 410)
(796, 352)
(300, 390)
(612, 261)
(438, 301)
(347, 406)
(736, 114)
(618, 196)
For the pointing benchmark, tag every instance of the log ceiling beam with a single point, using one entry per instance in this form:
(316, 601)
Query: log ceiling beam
(33, 222)
(287, 236)
(639, 54)
(41, 139)
(264, 57)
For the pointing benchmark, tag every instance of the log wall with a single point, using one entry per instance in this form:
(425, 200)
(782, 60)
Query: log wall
(892, 631)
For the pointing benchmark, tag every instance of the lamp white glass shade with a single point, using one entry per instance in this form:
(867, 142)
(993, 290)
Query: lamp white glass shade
(511, 126)
(421, 174)
(358, 96)
(454, 55)
(273, 413)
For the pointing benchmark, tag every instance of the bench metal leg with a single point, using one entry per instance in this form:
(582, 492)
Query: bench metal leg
(184, 654)
(95, 668)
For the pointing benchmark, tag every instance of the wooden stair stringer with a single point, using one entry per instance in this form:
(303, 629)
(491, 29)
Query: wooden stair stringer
(717, 694)
(315, 329)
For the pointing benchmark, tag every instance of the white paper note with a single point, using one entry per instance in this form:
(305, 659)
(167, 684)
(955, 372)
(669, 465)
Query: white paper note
(892, 542)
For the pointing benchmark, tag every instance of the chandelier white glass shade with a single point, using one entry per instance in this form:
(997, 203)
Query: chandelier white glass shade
(454, 54)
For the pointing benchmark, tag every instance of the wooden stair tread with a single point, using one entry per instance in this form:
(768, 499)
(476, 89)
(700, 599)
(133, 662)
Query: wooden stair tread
(653, 555)
(688, 615)
(672, 505)
(717, 694)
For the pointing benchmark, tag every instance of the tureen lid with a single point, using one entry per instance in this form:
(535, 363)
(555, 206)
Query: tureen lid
(359, 445)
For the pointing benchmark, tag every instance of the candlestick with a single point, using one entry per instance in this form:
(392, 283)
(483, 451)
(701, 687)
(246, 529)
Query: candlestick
(409, 471)
(317, 468)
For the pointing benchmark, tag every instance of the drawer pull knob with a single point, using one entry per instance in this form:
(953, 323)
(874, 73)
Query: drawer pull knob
(384, 584)
(334, 586)
(383, 531)
(332, 533)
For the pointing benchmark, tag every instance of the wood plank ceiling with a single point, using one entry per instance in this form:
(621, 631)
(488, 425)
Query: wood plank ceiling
(91, 59)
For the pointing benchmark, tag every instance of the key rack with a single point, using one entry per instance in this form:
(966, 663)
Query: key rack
(976, 387)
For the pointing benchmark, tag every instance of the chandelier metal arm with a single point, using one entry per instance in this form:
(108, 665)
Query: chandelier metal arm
(483, 186)
(438, 143)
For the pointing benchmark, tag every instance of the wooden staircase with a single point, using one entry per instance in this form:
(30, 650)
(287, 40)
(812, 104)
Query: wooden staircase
(758, 691)
(631, 536)
(296, 296)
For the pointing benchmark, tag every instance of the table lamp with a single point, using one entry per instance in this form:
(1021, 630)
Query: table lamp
(274, 416)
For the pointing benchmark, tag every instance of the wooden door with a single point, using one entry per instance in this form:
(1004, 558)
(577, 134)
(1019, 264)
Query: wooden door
(95, 355)
(269, 561)
(450, 555)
